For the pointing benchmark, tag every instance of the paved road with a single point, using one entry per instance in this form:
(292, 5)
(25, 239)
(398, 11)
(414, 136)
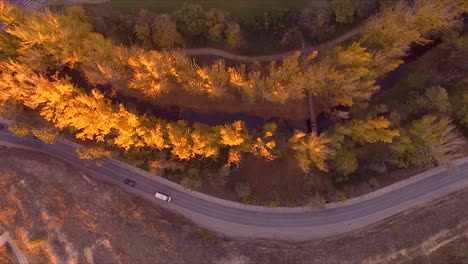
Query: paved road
(242, 221)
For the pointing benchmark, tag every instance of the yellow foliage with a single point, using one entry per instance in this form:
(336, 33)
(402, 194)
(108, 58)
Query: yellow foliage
(234, 158)
(231, 134)
(311, 149)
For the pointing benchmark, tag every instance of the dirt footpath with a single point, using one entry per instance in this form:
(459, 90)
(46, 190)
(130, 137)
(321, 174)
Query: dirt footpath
(57, 214)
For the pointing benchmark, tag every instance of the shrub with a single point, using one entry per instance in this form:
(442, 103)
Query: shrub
(243, 189)
(346, 162)
(317, 202)
(342, 195)
(38, 241)
(47, 136)
(21, 129)
(207, 235)
(249, 199)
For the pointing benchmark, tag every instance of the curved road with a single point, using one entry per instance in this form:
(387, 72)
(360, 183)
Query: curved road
(243, 221)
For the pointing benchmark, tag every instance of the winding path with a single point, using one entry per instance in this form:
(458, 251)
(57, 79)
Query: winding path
(274, 57)
(247, 221)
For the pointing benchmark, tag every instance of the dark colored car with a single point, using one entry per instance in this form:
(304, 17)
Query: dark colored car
(130, 182)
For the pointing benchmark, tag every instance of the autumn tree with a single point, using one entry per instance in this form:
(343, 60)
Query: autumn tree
(212, 80)
(50, 40)
(265, 146)
(344, 10)
(343, 77)
(244, 82)
(180, 139)
(283, 82)
(392, 30)
(206, 140)
(164, 32)
(369, 130)
(427, 142)
(153, 136)
(435, 98)
(311, 149)
(435, 16)
(237, 137)
(103, 62)
(149, 71)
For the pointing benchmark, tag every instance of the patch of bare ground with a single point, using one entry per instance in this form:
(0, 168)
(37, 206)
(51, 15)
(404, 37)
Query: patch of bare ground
(56, 214)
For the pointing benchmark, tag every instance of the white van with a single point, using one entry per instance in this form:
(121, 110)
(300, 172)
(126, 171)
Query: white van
(163, 197)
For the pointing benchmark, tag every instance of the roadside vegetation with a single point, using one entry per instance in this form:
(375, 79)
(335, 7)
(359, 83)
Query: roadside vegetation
(43, 53)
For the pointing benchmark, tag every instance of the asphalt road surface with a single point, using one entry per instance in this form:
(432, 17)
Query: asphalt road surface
(258, 222)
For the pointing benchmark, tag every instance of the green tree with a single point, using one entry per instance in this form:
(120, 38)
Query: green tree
(435, 98)
(345, 162)
(428, 141)
(344, 10)
(216, 24)
(143, 33)
(164, 32)
(233, 35)
(191, 19)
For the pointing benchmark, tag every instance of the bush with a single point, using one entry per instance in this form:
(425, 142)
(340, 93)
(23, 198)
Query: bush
(48, 136)
(38, 241)
(243, 189)
(21, 129)
(99, 154)
(249, 199)
(317, 202)
(207, 235)
(346, 162)
(342, 195)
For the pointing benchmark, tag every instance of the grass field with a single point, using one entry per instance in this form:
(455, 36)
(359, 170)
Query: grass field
(237, 8)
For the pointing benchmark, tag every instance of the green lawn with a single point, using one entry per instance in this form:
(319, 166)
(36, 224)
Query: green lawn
(237, 8)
